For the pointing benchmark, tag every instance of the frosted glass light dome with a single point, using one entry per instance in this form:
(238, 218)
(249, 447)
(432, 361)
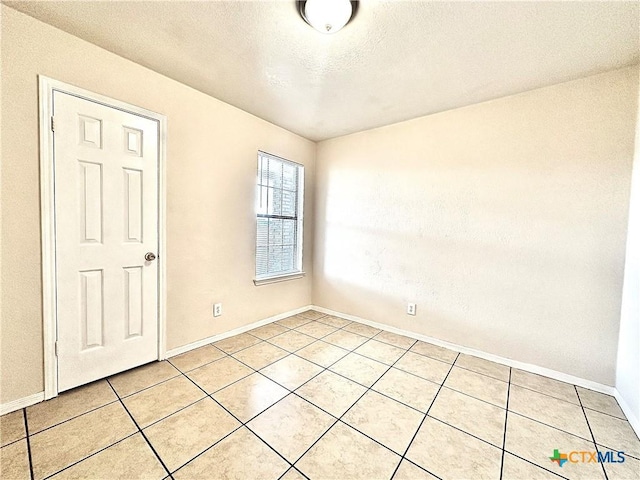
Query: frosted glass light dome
(327, 16)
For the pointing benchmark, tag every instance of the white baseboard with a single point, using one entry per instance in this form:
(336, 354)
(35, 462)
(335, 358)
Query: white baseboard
(528, 367)
(563, 377)
(21, 403)
(630, 414)
(39, 397)
(221, 336)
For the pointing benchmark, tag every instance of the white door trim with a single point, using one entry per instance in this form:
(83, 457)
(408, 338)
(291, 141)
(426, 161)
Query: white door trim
(50, 322)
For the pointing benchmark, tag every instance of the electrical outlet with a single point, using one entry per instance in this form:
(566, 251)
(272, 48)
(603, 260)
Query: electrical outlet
(411, 308)
(217, 310)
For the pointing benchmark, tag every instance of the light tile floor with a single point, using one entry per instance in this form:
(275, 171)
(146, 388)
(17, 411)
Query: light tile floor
(315, 396)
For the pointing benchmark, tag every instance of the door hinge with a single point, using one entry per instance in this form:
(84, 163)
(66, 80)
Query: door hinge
(52, 125)
(56, 348)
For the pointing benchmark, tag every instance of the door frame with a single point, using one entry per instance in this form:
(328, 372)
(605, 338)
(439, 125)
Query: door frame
(47, 87)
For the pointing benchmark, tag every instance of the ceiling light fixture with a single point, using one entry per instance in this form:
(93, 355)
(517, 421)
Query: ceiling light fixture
(327, 16)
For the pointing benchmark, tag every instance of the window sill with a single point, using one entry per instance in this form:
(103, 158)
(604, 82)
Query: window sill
(278, 278)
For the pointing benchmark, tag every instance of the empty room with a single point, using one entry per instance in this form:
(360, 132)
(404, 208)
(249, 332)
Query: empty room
(321, 239)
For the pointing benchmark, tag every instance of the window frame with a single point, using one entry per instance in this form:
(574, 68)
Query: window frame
(298, 271)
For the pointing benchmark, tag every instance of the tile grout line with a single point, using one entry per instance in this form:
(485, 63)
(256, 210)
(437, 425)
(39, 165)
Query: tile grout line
(315, 340)
(26, 431)
(266, 340)
(636, 457)
(475, 371)
(267, 443)
(66, 467)
(393, 344)
(337, 329)
(321, 339)
(382, 394)
(404, 459)
(371, 388)
(140, 430)
(408, 349)
(536, 465)
(469, 395)
(506, 419)
(529, 389)
(242, 424)
(227, 355)
(335, 373)
(173, 413)
(289, 354)
(148, 387)
(605, 413)
(320, 408)
(593, 438)
(311, 378)
(551, 426)
(224, 354)
(465, 432)
(425, 417)
(14, 441)
(295, 470)
(181, 374)
(212, 445)
(290, 392)
(342, 421)
(352, 405)
(221, 388)
(72, 418)
(225, 436)
(294, 353)
(80, 415)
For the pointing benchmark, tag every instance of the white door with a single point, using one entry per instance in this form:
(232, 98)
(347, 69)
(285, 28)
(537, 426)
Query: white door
(106, 222)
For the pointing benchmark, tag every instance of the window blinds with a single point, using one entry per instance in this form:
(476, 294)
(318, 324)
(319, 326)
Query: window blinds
(279, 207)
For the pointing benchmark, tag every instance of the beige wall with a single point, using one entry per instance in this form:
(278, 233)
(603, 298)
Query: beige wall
(211, 166)
(504, 221)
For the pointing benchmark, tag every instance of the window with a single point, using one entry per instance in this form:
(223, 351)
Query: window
(280, 194)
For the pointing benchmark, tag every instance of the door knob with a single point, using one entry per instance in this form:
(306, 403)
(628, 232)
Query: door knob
(150, 257)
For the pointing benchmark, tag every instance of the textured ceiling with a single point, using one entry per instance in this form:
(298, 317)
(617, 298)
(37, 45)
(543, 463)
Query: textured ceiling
(396, 60)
